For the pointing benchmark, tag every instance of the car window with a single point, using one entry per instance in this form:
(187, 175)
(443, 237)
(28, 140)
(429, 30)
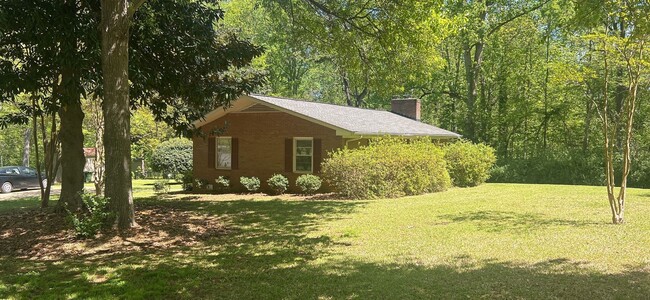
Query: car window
(9, 171)
(27, 171)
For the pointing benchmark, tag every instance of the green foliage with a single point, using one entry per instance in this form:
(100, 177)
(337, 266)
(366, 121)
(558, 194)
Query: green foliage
(181, 63)
(173, 157)
(96, 214)
(251, 184)
(222, 183)
(308, 183)
(201, 183)
(187, 179)
(388, 167)
(161, 186)
(469, 164)
(551, 169)
(278, 183)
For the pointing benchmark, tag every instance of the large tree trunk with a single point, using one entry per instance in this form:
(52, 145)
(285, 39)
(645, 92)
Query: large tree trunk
(115, 63)
(72, 155)
(71, 129)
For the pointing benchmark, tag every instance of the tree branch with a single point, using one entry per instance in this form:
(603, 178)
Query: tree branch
(521, 13)
(134, 6)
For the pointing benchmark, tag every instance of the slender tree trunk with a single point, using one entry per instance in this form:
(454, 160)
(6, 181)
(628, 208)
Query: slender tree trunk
(115, 63)
(27, 137)
(472, 93)
(98, 162)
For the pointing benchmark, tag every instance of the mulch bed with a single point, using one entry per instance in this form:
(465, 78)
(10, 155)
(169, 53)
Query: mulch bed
(44, 235)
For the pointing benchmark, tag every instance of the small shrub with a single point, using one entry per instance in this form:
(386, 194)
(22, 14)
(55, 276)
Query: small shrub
(96, 215)
(278, 183)
(161, 186)
(187, 179)
(222, 183)
(201, 183)
(252, 184)
(308, 183)
(469, 164)
(387, 167)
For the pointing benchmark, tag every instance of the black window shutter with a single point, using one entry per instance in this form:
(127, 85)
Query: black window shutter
(318, 155)
(235, 154)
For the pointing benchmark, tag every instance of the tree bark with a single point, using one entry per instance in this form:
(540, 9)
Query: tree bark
(26, 146)
(71, 137)
(115, 63)
(72, 155)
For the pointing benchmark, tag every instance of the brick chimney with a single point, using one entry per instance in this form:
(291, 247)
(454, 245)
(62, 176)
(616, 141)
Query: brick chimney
(409, 107)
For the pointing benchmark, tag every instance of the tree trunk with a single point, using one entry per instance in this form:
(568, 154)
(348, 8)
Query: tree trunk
(115, 63)
(472, 93)
(98, 162)
(26, 146)
(71, 136)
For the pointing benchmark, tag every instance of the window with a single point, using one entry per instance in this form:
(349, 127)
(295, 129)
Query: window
(223, 153)
(303, 155)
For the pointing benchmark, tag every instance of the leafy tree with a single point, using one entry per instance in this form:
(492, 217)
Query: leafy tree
(173, 157)
(181, 66)
(619, 49)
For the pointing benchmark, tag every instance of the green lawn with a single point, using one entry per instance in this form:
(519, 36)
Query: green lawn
(493, 241)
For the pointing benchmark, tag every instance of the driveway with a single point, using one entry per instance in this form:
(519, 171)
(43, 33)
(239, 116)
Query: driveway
(15, 195)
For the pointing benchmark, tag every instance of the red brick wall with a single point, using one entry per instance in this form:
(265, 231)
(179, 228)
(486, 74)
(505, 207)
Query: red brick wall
(261, 145)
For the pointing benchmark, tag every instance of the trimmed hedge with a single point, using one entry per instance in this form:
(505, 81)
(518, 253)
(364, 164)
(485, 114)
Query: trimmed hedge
(387, 167)
(278, 184)
(469, 164)
(251, 184)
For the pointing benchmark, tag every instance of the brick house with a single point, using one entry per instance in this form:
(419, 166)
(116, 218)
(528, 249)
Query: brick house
(261, 136)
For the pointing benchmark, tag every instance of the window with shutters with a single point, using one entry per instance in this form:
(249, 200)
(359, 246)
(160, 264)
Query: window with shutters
(223, 153)
(303, 154)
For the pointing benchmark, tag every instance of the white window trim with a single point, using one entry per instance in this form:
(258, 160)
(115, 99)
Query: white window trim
(295, 144)
(216, 153)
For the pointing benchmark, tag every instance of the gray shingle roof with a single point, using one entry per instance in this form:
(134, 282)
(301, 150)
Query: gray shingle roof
(358, 120)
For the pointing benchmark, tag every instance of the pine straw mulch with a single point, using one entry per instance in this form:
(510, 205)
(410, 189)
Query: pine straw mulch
(37, 235)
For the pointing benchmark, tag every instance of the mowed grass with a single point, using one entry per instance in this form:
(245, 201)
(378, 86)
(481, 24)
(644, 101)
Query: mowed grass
(492, 241)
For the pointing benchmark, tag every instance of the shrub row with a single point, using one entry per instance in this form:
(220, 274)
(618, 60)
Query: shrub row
(394, 167)
(278, 184)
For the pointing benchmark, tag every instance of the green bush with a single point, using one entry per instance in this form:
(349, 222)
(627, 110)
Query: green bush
(251, 184)
(161, 186)
(278, 183)
(387, 167)
(222, 184)
(186, 179)
(308, 183)
(96, 214)
(172, 157)
(469, 164)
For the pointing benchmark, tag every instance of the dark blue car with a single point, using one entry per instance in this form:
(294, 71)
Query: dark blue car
(17, 177)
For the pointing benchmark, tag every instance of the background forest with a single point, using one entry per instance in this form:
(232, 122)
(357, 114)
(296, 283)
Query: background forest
(525, 77)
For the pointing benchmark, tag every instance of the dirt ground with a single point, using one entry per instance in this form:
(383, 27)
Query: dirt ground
(44, 235)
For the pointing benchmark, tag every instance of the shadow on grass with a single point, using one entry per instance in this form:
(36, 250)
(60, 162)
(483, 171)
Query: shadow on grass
(11, 205)
(273, 252)
(497, 221)
(239, 275)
